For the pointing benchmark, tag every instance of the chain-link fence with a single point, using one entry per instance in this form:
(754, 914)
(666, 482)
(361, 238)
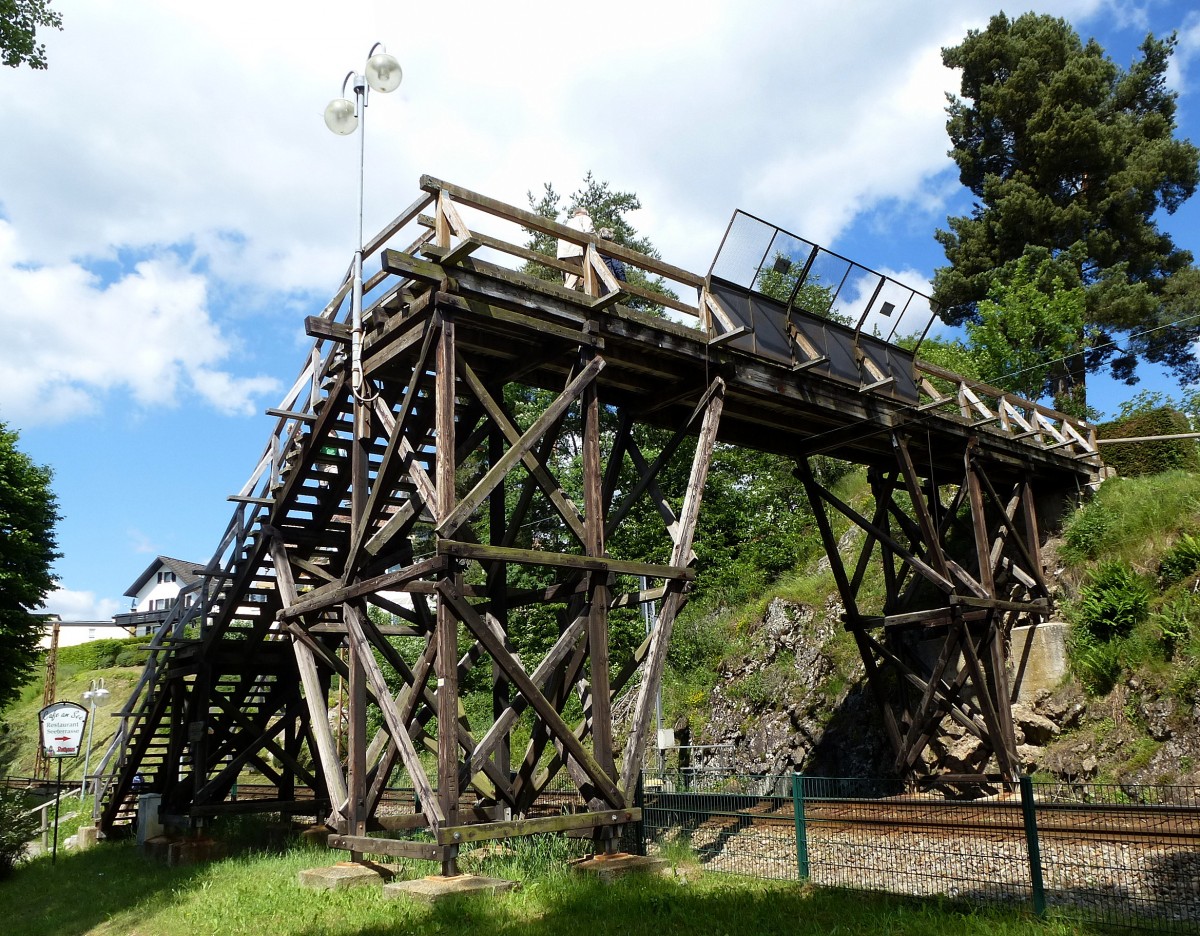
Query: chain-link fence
(1124, 855)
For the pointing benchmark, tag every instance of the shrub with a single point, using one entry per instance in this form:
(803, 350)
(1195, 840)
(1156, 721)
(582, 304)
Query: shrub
(17, 827)
(1180, 561)
(101, 654)
(1177, 622)
(1097, 665)
(1086, 531)
(1114, 600)
(1143, 458)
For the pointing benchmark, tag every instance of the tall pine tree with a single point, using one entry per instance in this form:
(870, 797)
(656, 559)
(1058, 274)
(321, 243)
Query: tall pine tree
(1073, 157)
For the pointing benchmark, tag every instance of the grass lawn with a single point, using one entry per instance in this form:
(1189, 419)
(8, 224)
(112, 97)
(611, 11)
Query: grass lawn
(113, 889)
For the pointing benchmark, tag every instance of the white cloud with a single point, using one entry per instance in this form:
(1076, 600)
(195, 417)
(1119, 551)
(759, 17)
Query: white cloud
(1186, 51)
(80, 605)
(158, 123)
(71, 339)
(172, 123)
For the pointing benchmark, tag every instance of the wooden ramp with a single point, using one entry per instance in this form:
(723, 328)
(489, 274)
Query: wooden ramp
(406, 474)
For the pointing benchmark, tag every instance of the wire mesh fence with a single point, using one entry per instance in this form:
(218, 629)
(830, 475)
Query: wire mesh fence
(1120, 855)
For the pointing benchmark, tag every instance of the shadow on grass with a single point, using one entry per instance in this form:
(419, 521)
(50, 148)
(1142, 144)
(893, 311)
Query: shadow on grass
(84, 889)
(114, 890)
(658, 906)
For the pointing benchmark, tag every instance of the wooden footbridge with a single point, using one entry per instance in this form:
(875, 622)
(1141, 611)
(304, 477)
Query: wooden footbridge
(402, 474)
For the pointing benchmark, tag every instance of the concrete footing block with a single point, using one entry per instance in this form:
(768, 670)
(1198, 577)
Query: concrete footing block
(434, 888)
(86, 837)
(344, 875)
(611, 867)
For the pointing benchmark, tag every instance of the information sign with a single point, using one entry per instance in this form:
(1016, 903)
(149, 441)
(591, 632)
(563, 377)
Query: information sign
(62, 729)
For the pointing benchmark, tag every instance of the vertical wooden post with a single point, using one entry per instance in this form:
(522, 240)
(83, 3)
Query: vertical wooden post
(994, 663)
(447, 624)
(597, 591)
(674, 600)
(498, 598)
(983, 548)
(315, 693)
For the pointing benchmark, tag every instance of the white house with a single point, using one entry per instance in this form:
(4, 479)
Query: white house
(154, 593)
(73, 633)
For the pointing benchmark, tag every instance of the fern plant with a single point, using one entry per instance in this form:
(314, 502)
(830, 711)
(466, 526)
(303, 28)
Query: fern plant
(1114, 600)
(1180, 561)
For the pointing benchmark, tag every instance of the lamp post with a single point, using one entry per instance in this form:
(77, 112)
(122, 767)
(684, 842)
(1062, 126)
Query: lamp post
(95, 693)
(342, 116)
(382, 73)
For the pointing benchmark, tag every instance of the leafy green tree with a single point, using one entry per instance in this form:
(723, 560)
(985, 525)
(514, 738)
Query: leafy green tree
(1074, 156)
(778, 280)
(1026, 330)
(28, 513)
(607, 208)
(19, 22)
(949, 353)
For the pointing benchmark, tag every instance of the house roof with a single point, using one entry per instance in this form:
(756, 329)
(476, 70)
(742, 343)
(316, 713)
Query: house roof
(183, 573)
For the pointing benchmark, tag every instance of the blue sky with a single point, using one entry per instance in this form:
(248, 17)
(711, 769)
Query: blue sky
(171, 205)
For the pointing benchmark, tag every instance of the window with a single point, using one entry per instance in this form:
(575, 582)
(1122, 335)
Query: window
(91, 633)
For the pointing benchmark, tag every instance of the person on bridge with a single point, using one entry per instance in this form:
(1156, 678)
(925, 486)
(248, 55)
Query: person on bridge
(572, 253)
(615, 266)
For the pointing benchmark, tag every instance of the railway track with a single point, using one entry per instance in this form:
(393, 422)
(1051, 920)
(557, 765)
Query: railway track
(1128, 823)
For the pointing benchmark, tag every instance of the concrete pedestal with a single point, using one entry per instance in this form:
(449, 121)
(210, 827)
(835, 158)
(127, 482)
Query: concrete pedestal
(610, 867)
(434, 888)
(86, 837)
(148, 826)
(344, 875)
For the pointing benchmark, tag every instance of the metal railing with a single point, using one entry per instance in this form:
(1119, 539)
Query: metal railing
(1121, 855)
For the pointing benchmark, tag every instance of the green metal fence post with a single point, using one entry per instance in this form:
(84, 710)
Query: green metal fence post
(639, 801)
(801, 829)
(1029, 811)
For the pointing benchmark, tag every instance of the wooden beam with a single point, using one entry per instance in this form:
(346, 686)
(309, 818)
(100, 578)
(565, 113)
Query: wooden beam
(393, 848)
(519, 678)
(598, 592)
(520, 449)
(396, 725)
(336, 593)
(657, 657)
(315, 696)
(563, 560)
(446, 633)
(488, 831)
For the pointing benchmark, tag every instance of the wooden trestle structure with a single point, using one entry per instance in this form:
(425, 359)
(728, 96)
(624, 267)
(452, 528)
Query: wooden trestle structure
(412, 495)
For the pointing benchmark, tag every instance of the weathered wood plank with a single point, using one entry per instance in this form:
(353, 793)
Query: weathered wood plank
(659, 640)
(501, 830)
(564, 560)
(336, 593)
(395, 848)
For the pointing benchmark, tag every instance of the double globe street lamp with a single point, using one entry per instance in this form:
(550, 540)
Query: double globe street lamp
(343, 116)
(96, 693)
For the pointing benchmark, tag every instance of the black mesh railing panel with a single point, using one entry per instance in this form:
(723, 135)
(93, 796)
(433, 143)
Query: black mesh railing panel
(1126, 856)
